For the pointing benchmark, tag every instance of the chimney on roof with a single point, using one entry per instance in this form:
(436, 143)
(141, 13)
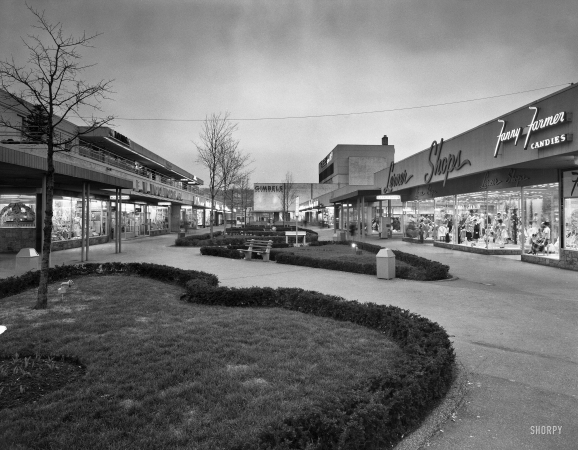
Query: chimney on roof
(384, 140)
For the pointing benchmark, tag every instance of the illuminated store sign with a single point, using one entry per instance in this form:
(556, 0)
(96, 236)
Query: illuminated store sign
(388, 197)
(534, 126)
(395, 180)
(443, 166)
(269, 188)
(502, 137)
(552, 141)
(160, 191)
(325, 160)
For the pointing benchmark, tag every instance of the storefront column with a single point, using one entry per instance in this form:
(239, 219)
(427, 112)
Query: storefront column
(523, 220)
(455, 220)
(174, 218)
(87, 219)
(119, 220)
(82, 220)
(115, 230)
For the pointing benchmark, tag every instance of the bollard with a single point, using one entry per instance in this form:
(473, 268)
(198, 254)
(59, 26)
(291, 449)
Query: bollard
(385, 260)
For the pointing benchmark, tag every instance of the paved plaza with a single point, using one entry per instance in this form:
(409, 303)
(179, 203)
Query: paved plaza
(514, 327)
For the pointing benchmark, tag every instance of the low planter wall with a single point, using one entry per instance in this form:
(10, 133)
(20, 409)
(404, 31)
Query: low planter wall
(479, 250)
(568, 260)
(12, 240)
(76, 243)
(417, 241)
(159, 232)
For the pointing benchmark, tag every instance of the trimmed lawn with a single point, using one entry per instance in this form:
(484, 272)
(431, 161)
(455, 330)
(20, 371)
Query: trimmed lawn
(337, 252)
(155, 372)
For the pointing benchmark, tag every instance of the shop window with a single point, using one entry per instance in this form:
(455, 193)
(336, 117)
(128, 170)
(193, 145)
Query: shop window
(444, 212)
(67, 218)
(17, 211)
(542, 220)
(571, 221)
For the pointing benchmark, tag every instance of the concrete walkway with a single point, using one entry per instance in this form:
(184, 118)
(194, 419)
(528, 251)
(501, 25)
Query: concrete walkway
(514, 327)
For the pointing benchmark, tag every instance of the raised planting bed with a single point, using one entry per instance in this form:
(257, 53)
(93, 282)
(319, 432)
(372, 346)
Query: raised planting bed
(338, 256)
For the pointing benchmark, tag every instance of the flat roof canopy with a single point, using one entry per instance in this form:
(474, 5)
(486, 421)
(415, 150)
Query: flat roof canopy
(105, 139)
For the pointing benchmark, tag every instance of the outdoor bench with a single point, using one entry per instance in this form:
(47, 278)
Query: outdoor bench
(259, 247)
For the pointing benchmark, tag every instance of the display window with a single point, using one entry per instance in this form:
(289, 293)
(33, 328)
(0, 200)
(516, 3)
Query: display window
(571, 221)
(409, 219)
(67, 218)
(17, 211)
(444, 212)
(489, 219)
(159, 217)
(542, 220)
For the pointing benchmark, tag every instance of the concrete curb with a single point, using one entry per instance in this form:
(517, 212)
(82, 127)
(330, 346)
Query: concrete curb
(441, 413)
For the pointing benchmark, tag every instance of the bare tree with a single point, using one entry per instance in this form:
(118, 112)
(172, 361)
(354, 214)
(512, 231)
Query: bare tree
(232, 164)
(287, 195)
(245, 193)
(48, 87)
(216, 139)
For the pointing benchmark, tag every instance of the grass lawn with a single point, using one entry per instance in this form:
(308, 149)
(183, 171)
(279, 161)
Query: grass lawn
(155, 372)
(336, 251)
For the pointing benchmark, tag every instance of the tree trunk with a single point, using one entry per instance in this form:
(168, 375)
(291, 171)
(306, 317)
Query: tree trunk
(212, 215)
(42, 297)
(225, 212)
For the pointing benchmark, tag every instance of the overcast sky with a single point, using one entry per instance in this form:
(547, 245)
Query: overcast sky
(187, 59)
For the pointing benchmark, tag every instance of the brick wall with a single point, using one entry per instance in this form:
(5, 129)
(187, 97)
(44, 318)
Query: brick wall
(12, 240)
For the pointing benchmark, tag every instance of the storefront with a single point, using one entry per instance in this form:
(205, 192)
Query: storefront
(505, 187)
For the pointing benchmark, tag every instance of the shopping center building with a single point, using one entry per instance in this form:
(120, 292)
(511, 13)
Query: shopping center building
(508, 186)
(156, 196)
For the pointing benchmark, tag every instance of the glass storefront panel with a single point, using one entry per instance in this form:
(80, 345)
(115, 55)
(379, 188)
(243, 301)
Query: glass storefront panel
(571, 221)
(17, 211)
(542, 220)
(98, 217)
(409, 220)
(66, 219)
(444, 219)
(489, 219)
(159, 217)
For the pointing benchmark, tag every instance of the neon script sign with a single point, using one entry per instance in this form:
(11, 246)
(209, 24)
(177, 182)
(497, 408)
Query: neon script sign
(443, 166)
(395, 180)
(535, 125)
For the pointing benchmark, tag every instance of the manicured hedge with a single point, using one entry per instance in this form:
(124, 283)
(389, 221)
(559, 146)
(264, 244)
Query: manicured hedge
(222, 251)
(434, 270)
(194, 241)
(379, 411)
(14, 285)
(405, 272)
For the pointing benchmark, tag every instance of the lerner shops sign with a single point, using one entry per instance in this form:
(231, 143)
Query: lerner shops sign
(534, 126)
(443, 166)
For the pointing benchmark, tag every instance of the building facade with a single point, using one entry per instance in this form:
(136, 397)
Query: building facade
(156, 196)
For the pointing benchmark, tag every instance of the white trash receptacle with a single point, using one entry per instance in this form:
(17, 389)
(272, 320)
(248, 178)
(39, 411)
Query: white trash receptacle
(385, 260)
(27, 259)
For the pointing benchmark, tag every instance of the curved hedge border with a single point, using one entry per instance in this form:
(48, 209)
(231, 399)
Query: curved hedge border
(375, 415)
(434, 270)
(378, 412)
(15, 285)
(421, 269)
(201, 240)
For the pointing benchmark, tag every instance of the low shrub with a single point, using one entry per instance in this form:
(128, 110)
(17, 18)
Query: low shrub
(235, 240)
(433, 270)
(381, 410)
(224, 252)
(331, 264)
(14, 285)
